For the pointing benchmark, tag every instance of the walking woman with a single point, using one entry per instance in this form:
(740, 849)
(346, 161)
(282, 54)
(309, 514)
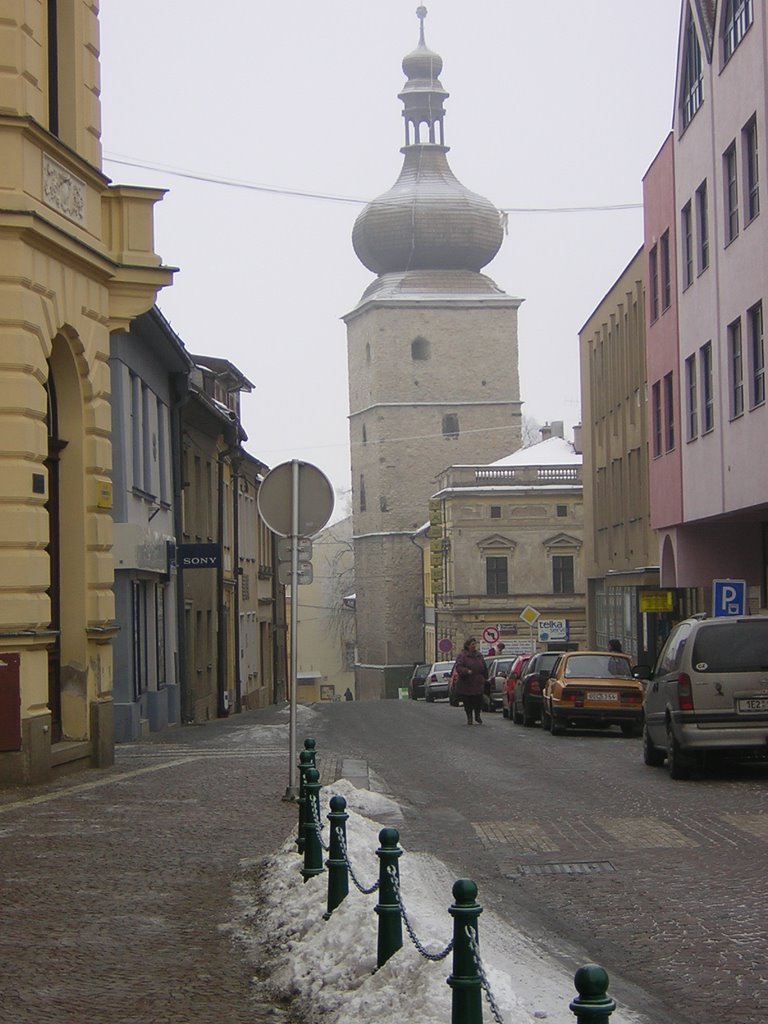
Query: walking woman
(471, 675)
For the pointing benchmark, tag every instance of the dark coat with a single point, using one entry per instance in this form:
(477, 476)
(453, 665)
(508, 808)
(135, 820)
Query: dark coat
(472, 672)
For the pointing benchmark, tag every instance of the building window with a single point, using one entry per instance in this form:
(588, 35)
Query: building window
(383, 506)
(686, 232)
(368, 353)
(738, 18)
(419, 349)
(656, 413)
(365, 435)
(756, 354)
(691, 390)
(669, 412)
(362, 493)
(653, 277)
(495, 511)
(451, 426)
(731, 185)
(562, 574)
(751, 171)
(707, 389)
(692, 91)
(736, 368)
(349, 657)
(160, 636)
(496, 580)
(562, 511)
(702, 226)
(666, 274)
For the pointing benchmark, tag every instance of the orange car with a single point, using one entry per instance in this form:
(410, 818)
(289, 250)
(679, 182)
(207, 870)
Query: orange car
(592, 689)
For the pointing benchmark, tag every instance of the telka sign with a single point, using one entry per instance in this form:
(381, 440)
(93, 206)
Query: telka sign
(198, 556)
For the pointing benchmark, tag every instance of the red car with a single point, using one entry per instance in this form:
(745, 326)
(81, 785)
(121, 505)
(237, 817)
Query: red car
(513, 673)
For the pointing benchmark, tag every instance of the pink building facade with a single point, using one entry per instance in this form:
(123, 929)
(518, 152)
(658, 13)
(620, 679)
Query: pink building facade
(706, 372)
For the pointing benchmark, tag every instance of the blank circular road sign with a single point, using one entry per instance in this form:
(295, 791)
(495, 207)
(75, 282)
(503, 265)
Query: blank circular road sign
(315, 499)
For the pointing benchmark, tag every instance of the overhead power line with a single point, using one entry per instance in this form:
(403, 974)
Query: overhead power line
(327, 197)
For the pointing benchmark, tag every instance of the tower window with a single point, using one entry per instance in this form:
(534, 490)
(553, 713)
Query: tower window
(495, 511)
(383, 507)
(362, 493)
(419, 348)
(451, 425)
(368, 353)
(365, 435)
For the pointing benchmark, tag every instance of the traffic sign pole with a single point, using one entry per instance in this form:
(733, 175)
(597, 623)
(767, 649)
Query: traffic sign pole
(292, 793)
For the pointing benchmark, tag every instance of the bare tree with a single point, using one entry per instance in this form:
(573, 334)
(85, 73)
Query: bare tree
(530, 432)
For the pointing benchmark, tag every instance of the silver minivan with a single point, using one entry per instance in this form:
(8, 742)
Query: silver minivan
(708, 692)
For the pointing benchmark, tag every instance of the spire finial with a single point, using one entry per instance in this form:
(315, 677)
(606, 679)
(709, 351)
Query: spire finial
(421, 13)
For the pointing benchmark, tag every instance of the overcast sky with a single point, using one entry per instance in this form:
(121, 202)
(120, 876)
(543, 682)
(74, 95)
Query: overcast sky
(562, 104)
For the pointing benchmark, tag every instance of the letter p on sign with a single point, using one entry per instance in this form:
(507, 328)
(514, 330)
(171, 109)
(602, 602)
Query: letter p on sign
(729, 598)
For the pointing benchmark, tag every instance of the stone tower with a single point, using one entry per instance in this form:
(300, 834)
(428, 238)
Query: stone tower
(433, 371)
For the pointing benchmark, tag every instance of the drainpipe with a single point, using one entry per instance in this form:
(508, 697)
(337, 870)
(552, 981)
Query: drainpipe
(238, 573)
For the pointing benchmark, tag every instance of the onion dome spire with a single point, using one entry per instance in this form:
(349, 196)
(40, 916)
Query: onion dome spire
(428, 220)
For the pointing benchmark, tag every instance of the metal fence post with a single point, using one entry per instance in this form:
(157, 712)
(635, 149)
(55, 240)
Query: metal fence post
(313, 850)
(388, 907)
(338, 873)
(593, 1005)
(467, 1003)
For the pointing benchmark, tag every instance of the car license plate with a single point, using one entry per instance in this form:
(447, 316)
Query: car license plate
(597, 695)
(753, 704)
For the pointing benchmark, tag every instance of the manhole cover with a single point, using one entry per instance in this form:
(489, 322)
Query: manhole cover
(585, 867)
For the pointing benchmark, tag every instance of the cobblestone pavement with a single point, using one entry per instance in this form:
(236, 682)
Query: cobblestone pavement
(116, 884)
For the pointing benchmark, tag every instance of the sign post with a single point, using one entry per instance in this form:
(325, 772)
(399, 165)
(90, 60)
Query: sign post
(530, 614)
(295, 500)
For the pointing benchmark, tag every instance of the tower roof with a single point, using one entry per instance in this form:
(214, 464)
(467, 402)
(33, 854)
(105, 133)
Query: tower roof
(428, 220)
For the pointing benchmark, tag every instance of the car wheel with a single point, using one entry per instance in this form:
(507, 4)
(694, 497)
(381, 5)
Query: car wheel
(652, 756)
(429, 698)
(555, 727)
(517, 716)
(679, 765)
(631, 728)
(528, 717)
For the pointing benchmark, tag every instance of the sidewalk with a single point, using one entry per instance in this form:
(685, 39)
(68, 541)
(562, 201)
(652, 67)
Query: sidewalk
(117, 884)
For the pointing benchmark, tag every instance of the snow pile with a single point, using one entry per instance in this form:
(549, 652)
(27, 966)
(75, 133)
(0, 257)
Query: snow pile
(327, 969)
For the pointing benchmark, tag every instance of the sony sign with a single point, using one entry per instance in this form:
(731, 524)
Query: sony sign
(198, 556)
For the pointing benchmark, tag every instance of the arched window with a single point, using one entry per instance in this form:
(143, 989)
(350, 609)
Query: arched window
(692, 92)
(451, 425)
(420, 348)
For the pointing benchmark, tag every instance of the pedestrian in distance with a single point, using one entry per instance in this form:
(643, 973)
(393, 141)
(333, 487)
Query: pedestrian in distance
(471, 673)
(615, 665)
(348, 695)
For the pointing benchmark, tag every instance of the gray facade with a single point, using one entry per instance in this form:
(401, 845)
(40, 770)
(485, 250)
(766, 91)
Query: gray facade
(149, 369)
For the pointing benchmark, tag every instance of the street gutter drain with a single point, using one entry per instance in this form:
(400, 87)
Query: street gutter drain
(587, 867)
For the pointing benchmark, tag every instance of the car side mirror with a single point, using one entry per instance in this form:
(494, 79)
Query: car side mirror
(642, 671)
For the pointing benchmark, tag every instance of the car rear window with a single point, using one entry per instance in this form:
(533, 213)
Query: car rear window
(597, 667)
(740, 646)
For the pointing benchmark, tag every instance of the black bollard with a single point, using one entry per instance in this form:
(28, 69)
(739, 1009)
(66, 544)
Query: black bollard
(388, 907)
(313, 850)
(338, 872)
(467, 1002)
(306, 761)
(593, 1005)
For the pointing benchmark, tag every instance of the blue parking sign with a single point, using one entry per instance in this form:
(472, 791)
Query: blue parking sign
(729, 597)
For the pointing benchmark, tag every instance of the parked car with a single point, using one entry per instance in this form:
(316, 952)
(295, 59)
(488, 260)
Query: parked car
(516, 669)
(498, 670)
(708, 692)
(417, 681)
(592, 689)
(525, 702)
(438, 681)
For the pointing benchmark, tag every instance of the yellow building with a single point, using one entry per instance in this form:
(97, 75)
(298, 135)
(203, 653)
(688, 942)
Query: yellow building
(77, 261)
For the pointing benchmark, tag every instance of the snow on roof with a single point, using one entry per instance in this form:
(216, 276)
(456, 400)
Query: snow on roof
(555, 451)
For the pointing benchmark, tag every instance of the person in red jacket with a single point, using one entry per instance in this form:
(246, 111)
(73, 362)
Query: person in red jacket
(471, 674)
